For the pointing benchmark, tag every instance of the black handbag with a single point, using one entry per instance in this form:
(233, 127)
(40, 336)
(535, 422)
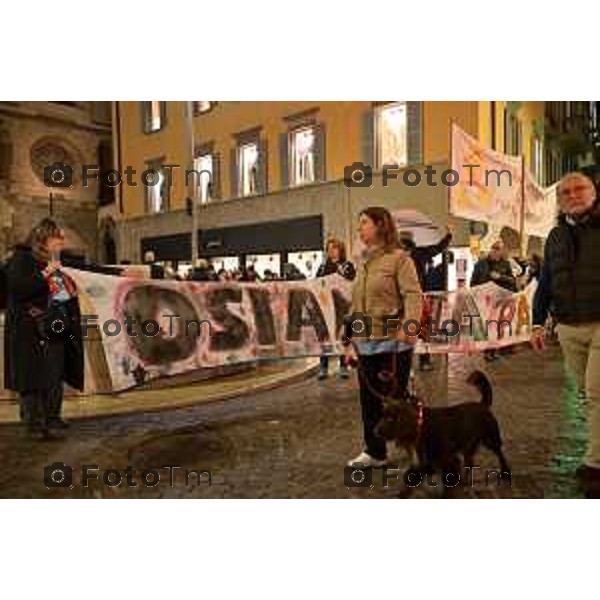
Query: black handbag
(53, 323)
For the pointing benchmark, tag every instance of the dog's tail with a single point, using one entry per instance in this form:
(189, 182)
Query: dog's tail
(482, 383)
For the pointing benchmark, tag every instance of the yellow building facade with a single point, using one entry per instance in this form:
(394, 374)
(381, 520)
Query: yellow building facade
(257, 155)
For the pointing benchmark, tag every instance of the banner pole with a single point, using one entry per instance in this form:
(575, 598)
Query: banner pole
(451, 156)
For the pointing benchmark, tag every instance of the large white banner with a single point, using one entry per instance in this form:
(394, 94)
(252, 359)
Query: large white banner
(541, 207)
(490, 183)
(154, 328)
(508, 200)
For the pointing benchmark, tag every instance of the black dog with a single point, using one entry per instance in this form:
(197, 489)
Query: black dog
(439, 435)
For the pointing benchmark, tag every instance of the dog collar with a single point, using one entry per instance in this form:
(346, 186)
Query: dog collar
(420, 418)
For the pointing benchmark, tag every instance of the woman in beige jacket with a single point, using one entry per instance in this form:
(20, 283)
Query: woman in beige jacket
(386, 287)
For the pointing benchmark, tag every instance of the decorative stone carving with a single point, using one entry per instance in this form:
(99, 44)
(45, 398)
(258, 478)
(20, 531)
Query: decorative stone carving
(47, 151)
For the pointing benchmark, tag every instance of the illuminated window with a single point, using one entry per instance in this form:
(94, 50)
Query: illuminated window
(202, 106)
(513, 134)
(303, 156)
(204, 166)
(391, 134)
(157, 195)
(248, 169)
(153, 113)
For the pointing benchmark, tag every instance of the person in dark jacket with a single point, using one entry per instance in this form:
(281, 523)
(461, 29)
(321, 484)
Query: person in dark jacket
(335, 262)
(494, 267)
(43, 344)
(569, 285)
(203, 271)
(423, 258)
(157, 271)
(534, 268)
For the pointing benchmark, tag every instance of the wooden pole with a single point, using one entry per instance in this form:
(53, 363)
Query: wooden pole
(450, 157)
(449, 191)
(192, 191)
(522, 220)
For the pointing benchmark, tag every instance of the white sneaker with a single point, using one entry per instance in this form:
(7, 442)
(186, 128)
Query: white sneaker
(366, 460)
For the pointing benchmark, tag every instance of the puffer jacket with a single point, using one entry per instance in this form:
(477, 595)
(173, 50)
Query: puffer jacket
(387, 284)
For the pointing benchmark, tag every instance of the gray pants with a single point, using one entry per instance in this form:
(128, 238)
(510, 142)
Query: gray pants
(581, 348)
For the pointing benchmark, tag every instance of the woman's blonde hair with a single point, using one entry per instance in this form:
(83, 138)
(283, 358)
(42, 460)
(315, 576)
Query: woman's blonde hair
(40, 234)
(337, 243)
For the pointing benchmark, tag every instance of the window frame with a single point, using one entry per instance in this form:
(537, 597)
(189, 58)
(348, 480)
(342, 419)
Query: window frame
(378, 109)
(292, 133)
(157, 164)
(198, 188)
(147, 118)
(240, 167)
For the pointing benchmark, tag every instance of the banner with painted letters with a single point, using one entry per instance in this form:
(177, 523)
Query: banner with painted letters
(154, 328)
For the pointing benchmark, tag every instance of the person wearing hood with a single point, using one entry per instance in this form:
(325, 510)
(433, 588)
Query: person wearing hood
(569, 287)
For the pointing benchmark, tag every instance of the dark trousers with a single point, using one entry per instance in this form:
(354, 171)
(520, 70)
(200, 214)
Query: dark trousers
(380, 376)
(324, 362)
(41, 408)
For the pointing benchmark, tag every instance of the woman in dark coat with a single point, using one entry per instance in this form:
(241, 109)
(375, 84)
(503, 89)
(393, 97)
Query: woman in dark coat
(335, 262)
(43, 345)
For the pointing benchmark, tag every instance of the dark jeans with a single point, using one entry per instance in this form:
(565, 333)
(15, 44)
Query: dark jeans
(424, 359)
(380, 376)
(41, 408)
(324, 362)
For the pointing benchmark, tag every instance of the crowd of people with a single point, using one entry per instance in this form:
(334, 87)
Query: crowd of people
(204, 270)
(389, 279)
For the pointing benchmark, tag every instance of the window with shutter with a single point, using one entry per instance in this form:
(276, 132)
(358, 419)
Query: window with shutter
(391, 134)
(302, 154)
(157, 188)
(153, 115)
(248, 169)
(203, 167)
(537, 158)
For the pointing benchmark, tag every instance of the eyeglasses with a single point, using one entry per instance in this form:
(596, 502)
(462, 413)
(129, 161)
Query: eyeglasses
(578, 189)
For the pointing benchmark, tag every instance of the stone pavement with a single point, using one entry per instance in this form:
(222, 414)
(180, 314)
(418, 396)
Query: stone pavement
(293, 441)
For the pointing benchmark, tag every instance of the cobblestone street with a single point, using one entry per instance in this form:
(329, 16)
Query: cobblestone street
(294, 441)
